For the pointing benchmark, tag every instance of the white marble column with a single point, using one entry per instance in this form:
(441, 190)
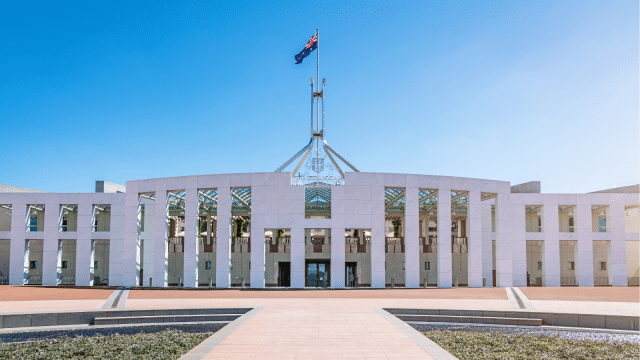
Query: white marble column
(191, 240)
(377, 238)
(123, 256)
(297, 257)
(584, 248)
(618, 259)
(50, 245)
(445, 271)
(223, 242)
(337, 237)
(160, 234)
(18, 261)
(487, 243)
(297, 234)
(412, 238)
(257, 277)
(551, 245)
(337, 257)
(117, 235)
(518, 222)
(84, 246)
(148, 255)
(474, 239)
(504, 265)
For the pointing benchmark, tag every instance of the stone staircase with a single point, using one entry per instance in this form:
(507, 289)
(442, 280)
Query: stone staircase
(515, 317)
(19, 327)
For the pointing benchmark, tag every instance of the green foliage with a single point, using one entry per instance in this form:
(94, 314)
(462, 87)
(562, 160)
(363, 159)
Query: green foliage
(356, 233)
(280, 233)
(239, 225)
(396, 227)
(168, 344)
(499, 346)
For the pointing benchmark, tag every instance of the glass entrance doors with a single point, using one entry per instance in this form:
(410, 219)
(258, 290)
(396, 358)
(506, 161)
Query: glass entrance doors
(350, 274)
(317, 274)
(284, 274)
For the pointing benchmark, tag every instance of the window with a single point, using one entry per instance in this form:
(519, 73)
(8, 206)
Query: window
(65, 264)
(230, 265)
(427, 265)
(207, 265)
(571, 224)
(65, 222)
(33, 223)
(572, 265)
(95, 265)
(95, 224)
(602, 265)
(602, 224)
(33, 264)
(539, 265)
(403, 265)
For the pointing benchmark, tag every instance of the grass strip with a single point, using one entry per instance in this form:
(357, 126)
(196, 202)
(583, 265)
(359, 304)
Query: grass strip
(496, 345)
(168, 344)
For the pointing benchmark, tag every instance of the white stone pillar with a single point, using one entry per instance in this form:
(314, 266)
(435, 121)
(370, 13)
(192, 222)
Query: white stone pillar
(257, 277)
(551, 245)
(191, 240)
(297, 257)
(337, 257)
(160, 234)
(377, 238)
(412, 238)
(149, 245)
(223, 242)
(474, 239)
(337, 237)
(584, 248)
(117, 236)
(18, 260)
(504, 265)
(487, 243)
(618, 258)
(50, 245)
(518, 222)
(123, 256)
(445, 271)
(84, 247)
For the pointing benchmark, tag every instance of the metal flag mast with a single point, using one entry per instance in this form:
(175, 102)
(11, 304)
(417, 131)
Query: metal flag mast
(317, 134)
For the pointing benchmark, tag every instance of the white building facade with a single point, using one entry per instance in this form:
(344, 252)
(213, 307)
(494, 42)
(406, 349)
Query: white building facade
(377, 230)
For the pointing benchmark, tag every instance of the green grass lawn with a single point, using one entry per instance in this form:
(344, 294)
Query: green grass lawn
(167, 344)
(483, 345)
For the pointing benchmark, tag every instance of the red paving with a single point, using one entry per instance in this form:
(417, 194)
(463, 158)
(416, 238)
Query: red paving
(598, 293)
(461, 293)
(31, 293)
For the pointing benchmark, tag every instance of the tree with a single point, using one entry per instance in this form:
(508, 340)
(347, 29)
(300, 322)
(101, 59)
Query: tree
(396, 227)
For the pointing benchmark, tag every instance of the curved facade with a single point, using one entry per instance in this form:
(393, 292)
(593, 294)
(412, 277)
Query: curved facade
(377, 230)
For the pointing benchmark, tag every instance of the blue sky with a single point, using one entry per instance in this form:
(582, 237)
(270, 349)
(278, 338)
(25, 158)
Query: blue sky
(515, 91)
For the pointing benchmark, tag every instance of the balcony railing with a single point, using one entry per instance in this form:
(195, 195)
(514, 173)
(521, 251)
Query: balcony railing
(392, 244)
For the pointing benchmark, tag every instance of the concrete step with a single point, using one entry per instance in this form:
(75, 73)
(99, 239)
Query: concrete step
(156, 319)
(472, 319)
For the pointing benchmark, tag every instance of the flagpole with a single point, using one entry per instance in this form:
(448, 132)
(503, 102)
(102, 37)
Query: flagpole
(318, 102)
(318, 59)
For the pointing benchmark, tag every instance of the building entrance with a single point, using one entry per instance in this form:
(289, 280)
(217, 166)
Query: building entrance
(350, 274)
(317, 273)
(284, 274)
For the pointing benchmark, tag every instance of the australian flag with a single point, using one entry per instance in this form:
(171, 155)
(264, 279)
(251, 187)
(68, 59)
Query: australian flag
(311, 45)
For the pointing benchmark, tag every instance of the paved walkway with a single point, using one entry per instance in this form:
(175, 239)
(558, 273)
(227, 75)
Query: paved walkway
(317, 329)
(327, 324)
